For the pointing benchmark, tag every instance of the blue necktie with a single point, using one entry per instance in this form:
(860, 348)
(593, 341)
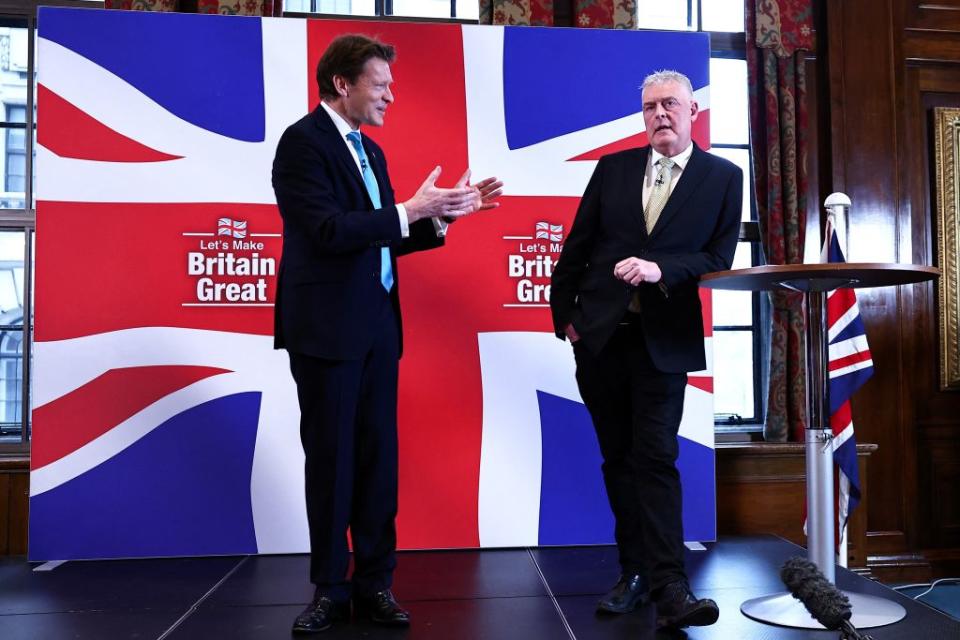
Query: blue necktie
(386, 270)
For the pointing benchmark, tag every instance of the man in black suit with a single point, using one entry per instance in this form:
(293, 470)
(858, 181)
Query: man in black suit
(624, 292)
(338, 315)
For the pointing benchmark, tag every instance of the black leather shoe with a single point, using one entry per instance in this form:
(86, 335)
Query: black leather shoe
(629, 593)
(381, 608)
(677, 607)
(320, 615)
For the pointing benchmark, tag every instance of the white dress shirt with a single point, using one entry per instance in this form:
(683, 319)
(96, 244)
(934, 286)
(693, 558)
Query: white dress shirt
(650, 175)
(344, 128)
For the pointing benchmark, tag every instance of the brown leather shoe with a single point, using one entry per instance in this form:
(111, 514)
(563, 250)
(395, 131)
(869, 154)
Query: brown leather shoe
(320, 615)
(381, 608)
(677, 607)
(629, 593)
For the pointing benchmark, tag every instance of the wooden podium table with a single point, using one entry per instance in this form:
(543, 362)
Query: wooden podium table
(814, 281)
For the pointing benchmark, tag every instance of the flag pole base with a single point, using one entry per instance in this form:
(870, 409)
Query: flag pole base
(786, 611)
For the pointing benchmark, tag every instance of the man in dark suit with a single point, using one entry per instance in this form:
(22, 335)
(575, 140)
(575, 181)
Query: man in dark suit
(624, 292)
(338, 315)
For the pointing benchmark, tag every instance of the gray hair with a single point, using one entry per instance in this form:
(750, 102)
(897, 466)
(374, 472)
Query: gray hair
(667, 75)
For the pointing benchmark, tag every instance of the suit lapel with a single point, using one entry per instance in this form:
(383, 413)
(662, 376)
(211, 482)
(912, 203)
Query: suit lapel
(690, 179)
(636, 174)
(337, 145)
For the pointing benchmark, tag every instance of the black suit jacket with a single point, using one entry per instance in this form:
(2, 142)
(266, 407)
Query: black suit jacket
(329, 295)
(696, 233)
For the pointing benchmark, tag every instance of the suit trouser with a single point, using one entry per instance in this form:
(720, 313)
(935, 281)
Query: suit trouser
(348, 427)
(636, 413)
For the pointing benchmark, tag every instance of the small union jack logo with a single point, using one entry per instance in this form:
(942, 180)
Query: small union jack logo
(235, 228)
(551, 232)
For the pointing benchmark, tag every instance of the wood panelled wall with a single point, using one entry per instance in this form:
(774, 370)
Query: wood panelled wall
(14, 492)
(881, 66)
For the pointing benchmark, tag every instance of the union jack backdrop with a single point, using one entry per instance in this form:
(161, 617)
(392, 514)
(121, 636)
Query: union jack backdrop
(165, 423)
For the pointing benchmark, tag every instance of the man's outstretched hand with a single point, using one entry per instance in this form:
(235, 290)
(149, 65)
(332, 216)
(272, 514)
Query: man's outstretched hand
(488, 190)
(431, 201)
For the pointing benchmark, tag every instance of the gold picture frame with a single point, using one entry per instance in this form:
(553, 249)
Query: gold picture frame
(947, 158)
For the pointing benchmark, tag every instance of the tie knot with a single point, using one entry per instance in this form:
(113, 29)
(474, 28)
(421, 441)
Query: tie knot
(666, 163)
(354, 138)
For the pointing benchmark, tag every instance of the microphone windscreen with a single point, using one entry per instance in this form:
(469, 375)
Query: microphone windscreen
(827, 604)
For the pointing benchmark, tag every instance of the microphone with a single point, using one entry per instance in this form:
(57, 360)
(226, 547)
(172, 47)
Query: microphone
(363, 164)
(827, 604)
(659, 181)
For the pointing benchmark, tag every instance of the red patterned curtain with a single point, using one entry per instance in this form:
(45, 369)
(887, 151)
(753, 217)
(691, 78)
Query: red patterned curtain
(240, 7)
(142, 5)
(536, 13)
(615, 14)
(223, 7)
(778, 31)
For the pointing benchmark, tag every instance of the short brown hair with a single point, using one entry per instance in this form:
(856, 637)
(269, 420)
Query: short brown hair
(346, 56)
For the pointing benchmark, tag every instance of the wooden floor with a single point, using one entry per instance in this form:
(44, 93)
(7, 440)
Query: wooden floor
(526, 594)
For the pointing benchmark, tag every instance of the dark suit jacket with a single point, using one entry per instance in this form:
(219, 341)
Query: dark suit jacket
(696, 233)
(329, 295)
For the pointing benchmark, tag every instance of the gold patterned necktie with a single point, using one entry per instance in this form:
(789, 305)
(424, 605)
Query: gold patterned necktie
(659, 194)
(655, 203)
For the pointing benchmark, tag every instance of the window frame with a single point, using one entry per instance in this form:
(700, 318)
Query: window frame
(9, 125)
(733, 46)
(12, 220)
(24, 14)
(382, 11)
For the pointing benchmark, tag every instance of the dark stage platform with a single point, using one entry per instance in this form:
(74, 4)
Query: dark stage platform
(527, 594)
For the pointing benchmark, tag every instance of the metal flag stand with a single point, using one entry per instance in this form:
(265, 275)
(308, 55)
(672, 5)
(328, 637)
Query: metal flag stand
(814, 281)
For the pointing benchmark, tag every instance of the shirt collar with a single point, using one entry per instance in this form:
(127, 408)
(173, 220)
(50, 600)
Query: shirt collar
(680, 159)
(338, 121)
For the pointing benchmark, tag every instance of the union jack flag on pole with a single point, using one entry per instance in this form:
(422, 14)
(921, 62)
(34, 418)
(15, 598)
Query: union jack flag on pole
(850, 365)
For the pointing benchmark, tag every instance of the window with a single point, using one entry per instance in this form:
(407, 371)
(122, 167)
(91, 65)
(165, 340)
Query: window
(17, 216)
(714, 16)
(14, 420)
(440, 9)
(336, 7)
(14, 63)
(16, 157)
(738, 348)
